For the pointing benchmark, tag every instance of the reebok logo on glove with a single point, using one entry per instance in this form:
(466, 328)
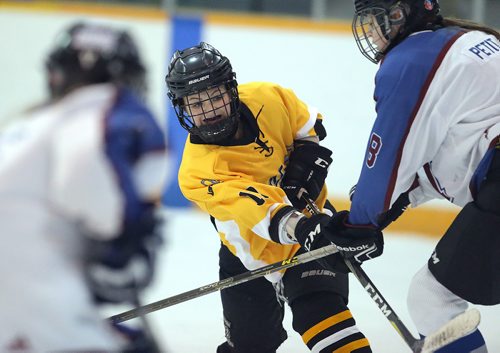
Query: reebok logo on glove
(350, 248)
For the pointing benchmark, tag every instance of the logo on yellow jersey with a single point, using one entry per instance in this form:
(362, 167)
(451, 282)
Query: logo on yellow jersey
(263, 145)
(209, 183)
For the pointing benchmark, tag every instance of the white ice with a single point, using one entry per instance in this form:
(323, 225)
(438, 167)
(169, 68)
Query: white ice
(189, 260)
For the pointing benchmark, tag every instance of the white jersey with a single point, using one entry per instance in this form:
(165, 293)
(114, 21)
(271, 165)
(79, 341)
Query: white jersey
(61, 178)
(438, 114)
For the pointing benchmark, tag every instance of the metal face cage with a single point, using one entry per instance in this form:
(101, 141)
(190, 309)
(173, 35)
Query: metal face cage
(371, 27)
(210, 113)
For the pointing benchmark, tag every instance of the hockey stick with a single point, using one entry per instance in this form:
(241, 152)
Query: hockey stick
(458, 327)
(225, 283)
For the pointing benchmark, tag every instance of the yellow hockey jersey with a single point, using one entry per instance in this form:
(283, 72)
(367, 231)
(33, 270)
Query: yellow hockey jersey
(238, 183)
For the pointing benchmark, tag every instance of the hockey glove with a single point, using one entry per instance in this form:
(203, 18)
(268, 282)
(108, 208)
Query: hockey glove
(306, 172)
(117, 270)
(359, 243)
(312, 234)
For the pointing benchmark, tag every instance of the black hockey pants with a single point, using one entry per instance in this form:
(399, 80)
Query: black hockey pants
(253, 313)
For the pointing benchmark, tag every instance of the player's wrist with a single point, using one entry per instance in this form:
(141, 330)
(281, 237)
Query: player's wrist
(290, 224)
(283, 223)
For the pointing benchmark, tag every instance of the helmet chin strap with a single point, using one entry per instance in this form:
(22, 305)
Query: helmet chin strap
(219, 131)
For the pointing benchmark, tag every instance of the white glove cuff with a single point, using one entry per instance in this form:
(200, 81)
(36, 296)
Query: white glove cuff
(286, 227)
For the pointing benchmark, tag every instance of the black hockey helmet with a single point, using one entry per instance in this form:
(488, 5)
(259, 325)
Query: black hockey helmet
(91, 53)
(195, 70)
(382, 15)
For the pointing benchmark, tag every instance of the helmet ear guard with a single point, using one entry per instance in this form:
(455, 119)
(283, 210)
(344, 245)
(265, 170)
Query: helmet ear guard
(399, 13)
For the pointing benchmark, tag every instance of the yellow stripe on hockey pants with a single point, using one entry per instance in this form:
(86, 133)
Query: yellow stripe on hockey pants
(348, 348)
(323, 325)
(331, 321)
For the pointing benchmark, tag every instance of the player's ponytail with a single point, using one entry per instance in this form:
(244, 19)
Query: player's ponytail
(470, 25)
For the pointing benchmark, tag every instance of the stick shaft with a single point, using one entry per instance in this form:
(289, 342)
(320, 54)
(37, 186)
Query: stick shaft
(226, 283)
(382, 304)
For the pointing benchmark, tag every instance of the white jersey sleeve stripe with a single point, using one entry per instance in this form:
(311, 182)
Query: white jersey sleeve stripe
(304, 130)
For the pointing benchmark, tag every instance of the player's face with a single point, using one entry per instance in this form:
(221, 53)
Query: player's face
(208, 106)
(375, 34)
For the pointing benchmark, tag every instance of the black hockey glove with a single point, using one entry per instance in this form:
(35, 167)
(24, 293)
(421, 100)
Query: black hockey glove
(306, 172)
(117, 270)
(358, 243)
(312, 234)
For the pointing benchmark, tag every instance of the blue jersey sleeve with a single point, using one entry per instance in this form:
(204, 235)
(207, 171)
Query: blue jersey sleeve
(130, 133)
(401, 84)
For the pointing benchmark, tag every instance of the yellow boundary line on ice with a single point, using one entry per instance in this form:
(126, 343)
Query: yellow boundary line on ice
(424, 220)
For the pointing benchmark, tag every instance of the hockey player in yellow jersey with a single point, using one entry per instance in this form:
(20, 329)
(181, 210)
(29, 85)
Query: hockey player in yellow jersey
(252, 151)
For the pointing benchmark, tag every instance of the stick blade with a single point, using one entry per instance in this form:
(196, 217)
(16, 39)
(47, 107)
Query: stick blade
(460, 326)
